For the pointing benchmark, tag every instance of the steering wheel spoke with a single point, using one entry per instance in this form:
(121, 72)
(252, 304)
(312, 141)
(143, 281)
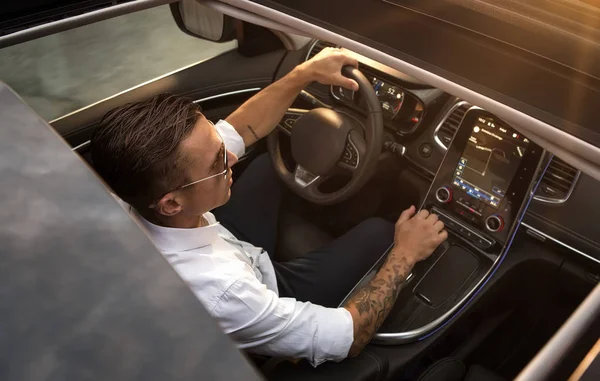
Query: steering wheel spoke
(353, 151)
(291, 116)
(304, 178)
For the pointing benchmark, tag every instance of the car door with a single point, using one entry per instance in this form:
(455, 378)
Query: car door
(73, 77)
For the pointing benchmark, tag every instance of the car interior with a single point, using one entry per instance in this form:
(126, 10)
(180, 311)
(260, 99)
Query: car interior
(523, 250)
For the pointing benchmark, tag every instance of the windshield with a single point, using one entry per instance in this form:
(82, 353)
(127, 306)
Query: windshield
(564, 31)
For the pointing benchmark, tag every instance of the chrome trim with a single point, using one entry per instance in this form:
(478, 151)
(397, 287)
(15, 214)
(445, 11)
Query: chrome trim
(81, 146)
(242, 91)
(402, 150)
(443, 120)
(550, 200)
(394, 338)
(79, 20)
(335, 96)
(338, 98)
(437, 197)
(312, 46)
(301, 182)
(545, 235)
(499, 223)
(424, 298)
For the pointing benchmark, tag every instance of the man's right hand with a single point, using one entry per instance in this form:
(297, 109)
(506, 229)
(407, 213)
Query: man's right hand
(418, 235)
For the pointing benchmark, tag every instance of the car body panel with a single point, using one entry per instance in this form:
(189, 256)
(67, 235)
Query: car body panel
(85, 293)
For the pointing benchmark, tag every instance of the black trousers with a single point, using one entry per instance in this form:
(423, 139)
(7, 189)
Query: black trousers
(324, 276)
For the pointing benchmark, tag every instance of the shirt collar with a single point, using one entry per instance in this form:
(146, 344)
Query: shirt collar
(172, 240)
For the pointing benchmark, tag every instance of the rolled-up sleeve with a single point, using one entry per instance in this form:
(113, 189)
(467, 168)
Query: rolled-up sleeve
(263, 323)
(233, 139)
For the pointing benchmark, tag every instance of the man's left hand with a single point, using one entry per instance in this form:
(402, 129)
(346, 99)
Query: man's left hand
(326, 68)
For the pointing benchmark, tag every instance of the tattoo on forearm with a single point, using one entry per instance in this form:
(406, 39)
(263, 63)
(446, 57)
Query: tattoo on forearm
(252, 131)
(375, 300)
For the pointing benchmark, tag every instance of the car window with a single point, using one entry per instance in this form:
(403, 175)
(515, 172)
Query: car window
(63, 72)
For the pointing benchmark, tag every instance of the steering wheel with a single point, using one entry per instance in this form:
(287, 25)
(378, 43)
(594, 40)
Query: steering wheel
(324, 140)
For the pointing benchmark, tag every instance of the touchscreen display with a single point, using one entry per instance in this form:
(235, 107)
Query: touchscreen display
(490, 161)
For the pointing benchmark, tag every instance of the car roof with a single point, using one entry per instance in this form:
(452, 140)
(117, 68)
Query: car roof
(85, 294)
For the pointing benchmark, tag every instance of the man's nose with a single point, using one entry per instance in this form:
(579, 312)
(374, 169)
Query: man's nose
(231, 158)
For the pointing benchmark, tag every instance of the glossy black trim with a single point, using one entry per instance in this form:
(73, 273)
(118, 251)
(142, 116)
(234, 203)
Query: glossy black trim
(516, 194)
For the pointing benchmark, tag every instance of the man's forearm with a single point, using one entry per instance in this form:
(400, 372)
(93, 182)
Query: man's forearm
(259, 115)
(371, 304)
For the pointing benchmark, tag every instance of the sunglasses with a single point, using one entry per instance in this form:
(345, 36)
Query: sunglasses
(225, 164)
(223, 173)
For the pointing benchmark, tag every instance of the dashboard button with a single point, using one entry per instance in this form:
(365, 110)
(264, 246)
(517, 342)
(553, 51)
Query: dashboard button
(494, 223)
(425, 150)
(350, 154)
(443, 195)
(482, 243)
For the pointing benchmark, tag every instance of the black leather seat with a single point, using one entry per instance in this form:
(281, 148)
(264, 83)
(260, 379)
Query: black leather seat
(364, 367)
(451, 369)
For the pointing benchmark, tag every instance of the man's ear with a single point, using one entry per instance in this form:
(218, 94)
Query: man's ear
(168, 205)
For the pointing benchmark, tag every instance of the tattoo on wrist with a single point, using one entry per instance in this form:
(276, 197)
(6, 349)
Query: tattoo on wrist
(252, 131)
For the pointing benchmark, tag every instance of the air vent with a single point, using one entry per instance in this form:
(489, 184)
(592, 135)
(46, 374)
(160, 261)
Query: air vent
(447, 128)
(316, 47)
(558, 182)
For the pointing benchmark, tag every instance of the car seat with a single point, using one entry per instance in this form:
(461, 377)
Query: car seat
(451, 369)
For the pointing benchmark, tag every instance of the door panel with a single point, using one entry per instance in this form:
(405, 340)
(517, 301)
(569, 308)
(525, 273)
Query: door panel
(231, 73)
(219, 106)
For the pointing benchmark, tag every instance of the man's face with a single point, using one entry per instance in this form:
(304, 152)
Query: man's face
(203, 150)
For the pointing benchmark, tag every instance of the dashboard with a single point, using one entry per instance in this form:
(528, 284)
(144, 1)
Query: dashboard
(485, 177)
(402, 110)
(483, 183)
(490, 161)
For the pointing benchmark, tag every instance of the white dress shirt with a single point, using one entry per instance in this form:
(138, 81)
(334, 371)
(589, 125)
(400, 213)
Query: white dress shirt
(236, 283)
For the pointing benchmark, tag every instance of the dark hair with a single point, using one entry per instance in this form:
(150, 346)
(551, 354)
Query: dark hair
(136, 147)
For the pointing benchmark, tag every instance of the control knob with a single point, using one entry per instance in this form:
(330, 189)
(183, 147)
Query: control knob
(443, 194)
(494, 223)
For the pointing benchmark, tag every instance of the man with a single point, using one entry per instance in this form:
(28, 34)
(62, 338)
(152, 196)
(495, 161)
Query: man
(172, 166)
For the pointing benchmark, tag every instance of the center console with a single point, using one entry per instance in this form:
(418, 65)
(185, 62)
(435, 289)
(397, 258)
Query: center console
(484, 183)
(480, 192)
